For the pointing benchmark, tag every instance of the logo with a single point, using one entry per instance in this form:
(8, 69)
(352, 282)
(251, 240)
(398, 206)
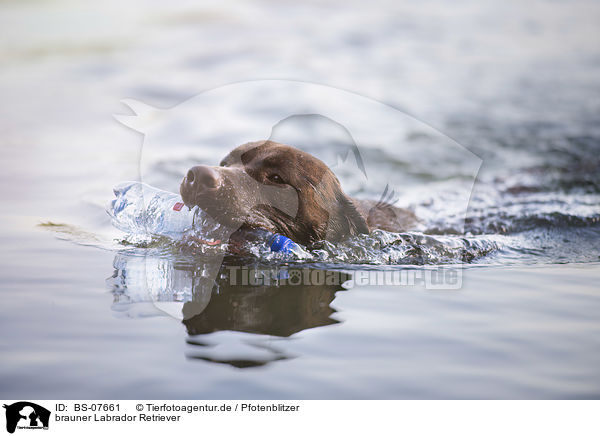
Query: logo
(359, 139)
(26, 415)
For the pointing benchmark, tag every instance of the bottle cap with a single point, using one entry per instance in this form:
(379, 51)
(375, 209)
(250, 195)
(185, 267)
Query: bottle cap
(280, 243)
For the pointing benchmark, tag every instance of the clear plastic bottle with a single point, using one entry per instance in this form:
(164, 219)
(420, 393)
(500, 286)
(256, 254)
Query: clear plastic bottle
(141, 209)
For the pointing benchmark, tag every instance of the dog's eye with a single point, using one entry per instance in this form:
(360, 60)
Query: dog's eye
(275, 178)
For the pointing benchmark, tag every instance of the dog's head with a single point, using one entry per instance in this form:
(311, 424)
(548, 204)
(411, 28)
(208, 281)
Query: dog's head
(276, 187)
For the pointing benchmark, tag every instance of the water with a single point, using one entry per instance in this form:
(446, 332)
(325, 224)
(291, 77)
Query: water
(98, 315)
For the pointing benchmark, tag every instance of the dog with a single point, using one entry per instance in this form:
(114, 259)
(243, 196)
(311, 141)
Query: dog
(279, 188)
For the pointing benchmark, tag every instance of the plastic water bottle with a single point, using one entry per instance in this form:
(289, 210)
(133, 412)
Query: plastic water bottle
(141, 209)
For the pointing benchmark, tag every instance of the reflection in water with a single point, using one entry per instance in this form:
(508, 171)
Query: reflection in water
(233, 319)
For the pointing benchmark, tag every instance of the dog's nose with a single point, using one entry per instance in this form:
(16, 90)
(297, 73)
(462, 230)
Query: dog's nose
(202, 176)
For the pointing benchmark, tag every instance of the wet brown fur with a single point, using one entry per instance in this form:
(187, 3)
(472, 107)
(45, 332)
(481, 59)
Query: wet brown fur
(279, 188)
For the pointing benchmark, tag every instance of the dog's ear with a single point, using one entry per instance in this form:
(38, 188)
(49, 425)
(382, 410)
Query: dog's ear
(352, 221)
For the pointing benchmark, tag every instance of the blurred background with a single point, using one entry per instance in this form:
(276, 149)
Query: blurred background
(515, 82)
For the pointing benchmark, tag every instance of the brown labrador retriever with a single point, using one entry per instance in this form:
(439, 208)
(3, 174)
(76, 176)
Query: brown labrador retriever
(279, 188)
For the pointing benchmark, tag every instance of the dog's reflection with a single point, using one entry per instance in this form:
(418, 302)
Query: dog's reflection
(233, 314)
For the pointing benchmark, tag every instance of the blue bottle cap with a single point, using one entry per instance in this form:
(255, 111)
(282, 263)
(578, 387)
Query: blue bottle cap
(280, 243)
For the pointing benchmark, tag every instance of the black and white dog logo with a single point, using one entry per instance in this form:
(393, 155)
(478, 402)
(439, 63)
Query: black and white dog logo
(26, 415)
